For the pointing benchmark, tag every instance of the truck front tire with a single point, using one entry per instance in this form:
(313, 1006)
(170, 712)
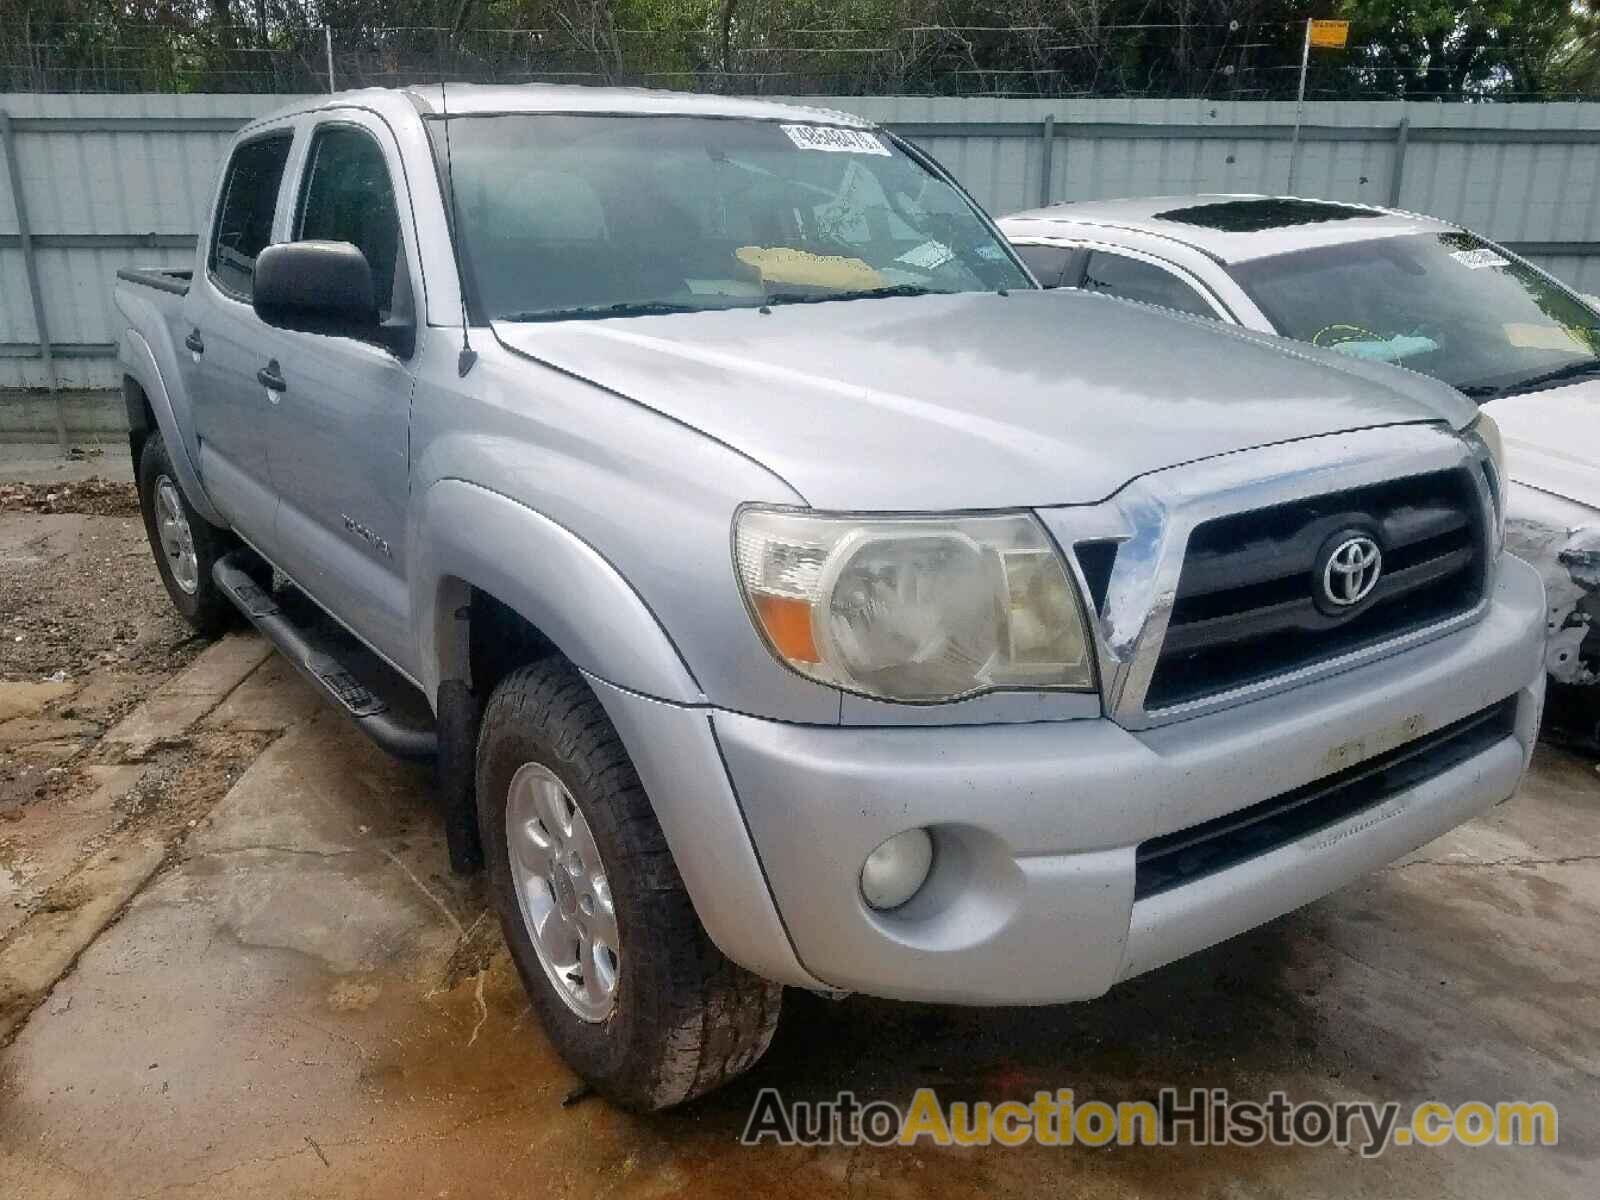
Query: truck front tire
(627, 983)
(185, 545)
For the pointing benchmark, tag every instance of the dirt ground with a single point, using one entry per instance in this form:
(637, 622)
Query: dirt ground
(233, 961)
(85, 634)
(77, 595)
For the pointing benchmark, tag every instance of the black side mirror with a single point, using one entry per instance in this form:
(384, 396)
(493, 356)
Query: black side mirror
(320, 287)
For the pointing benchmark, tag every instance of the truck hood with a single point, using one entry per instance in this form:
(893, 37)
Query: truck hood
(978, 400)
(1552, 440)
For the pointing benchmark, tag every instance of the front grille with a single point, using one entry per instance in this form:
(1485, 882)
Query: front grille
(1247, 609)
(1189, 854)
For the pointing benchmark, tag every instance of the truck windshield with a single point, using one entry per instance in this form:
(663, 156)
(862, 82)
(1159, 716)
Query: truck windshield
(566, 217)
(1448, 305)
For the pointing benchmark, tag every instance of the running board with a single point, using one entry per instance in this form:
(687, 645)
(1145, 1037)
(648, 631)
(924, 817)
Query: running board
(326, 658)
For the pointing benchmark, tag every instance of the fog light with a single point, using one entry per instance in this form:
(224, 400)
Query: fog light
(895, 870)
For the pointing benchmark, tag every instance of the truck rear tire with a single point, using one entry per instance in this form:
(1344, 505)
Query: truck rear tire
(626, 981)
(185, 545)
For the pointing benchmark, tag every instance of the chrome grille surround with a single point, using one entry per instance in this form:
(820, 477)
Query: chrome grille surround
(1153, 517)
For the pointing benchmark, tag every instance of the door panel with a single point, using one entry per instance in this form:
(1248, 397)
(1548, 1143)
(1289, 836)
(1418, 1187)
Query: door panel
(222, 341)
(341, 433)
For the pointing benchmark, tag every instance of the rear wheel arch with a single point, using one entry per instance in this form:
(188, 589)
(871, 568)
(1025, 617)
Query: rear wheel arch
(184, 544)
(159, 414)
(141, 418)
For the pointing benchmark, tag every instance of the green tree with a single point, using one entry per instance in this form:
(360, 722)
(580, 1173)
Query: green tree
(1523, 48)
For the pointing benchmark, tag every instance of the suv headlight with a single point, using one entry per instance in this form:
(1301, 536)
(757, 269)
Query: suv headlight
(917, 608)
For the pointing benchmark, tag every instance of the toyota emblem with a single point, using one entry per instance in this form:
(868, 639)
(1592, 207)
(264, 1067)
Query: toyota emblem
(1352, 570)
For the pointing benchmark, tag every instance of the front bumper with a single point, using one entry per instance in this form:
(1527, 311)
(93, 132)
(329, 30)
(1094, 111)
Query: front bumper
(1032, 896)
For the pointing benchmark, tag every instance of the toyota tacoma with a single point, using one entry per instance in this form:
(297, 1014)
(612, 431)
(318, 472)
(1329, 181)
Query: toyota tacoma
(789, 591)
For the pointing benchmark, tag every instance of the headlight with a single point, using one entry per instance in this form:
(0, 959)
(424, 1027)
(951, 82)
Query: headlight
(915, 609)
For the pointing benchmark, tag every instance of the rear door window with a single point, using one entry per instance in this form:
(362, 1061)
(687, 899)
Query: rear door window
(348, 197)
(244, 215)
(1135, 279)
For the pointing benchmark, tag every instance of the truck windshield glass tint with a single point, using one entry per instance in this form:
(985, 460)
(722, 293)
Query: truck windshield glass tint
(575, 215)
(1445, 304)
(244, 216)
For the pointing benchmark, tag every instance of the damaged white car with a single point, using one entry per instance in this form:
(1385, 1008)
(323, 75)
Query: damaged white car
(1392, 287)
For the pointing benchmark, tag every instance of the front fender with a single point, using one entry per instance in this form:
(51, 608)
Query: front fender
(139, 361)
(466, 534)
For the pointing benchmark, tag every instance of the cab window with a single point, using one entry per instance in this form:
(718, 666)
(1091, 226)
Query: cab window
(244, 215)
(1135, 279)
(347, 197)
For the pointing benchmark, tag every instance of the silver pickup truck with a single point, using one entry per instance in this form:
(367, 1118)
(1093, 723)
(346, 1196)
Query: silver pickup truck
(792, 593)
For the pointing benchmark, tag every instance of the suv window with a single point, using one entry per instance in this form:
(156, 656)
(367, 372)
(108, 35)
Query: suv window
(1046, 262)
(244, 215)
(347, 197)
(1134, 279)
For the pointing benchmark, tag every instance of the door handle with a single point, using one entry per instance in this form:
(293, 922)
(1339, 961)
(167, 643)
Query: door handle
(271, 378)
(195, 342)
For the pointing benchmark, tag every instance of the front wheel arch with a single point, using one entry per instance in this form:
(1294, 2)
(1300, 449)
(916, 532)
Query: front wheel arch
(467, 541)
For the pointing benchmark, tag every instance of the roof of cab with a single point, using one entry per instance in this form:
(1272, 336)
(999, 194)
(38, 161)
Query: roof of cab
(1230, 228)
(472, 99)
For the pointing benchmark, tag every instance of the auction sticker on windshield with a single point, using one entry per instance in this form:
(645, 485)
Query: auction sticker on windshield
(829, 137)
(1479, 258)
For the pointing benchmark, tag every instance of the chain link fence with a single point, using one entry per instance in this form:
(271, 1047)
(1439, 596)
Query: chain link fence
(754, 47)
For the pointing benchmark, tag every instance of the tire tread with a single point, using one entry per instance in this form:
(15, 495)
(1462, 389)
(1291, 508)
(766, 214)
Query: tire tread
(710, 1020)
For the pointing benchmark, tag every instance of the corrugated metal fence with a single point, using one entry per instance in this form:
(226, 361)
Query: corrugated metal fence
(106, 181)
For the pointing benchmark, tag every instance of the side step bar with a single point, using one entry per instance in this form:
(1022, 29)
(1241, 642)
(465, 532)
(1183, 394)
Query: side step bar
(317, 656)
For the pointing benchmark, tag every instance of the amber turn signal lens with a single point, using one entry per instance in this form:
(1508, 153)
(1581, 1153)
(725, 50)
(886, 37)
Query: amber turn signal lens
(787, 622)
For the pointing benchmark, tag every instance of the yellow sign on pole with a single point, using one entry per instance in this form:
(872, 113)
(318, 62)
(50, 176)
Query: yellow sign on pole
(1330, 35)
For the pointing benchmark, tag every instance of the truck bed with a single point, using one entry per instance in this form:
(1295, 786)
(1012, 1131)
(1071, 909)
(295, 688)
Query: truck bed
(163, 279)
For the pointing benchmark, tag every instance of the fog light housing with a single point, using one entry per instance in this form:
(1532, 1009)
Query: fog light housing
(895, 871)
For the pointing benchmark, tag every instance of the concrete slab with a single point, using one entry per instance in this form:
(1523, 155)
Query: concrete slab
(45, 840)
(272, 699)
(107, 693)
(23, 699)
(81, 906)
(284, 801)
(33, 731)
(189, 695)
(104, 455)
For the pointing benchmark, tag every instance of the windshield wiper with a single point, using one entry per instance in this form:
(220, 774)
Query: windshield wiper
(897, 289)
(1584, 366)
(596, 312)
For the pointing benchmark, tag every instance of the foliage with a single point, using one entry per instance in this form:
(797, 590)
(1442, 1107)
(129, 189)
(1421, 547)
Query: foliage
(1238, 49)
(1426, 48)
